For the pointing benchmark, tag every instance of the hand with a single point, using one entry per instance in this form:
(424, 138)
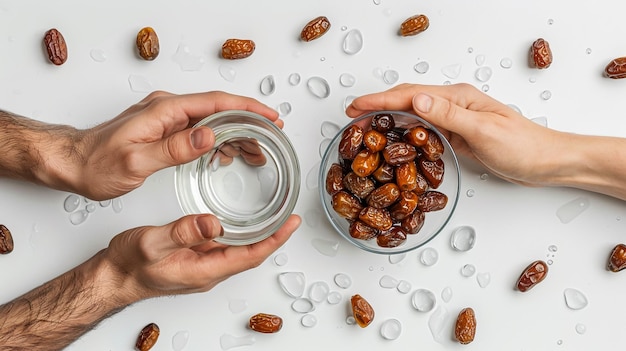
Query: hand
(120, 154)
(479, 127)
(182, 257)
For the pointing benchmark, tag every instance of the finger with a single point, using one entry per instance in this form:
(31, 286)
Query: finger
(229, 150)
(185, 232)
(179, 148)
(399, 99)
(253, 159)
(447, 115)
(199, 105)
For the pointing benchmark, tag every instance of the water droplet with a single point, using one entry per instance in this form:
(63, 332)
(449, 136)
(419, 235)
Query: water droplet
(574, 299)
(468, 270)
(516, 108)
(484, 176)
(326, 247)
(550, 21)
(371, 269)
(532, 79)
(618, 218)
(186, 60)
(319, 87)
(347, 80)
(393, 259)
(303, 305)
(322, 58)
(470, 192)
(378, 72)
(421, 67)
(353, 42)
(237, 305)
(572, 209)
(546, 95)
(71, 203)
(447, 82)
(350, 320)
(404, 287)
(344, 28)
(292, 283)
(429, 256)
(483, 74)
(463, 238)
(391, 329)
(334, 298)
(552, 248)
(324, 146)
(228, 341)
(98, 55)
(105, 203)
(483, 279)
(312, 177)
(588, 51)
(139, 84)
(348, 100)
(550, 262)
(329, 129)
(391, 76)
(485, 88)
(388, 282)
(268, 85)
(452, 71)
(446, 294)
(308, 321)
(480, 60)
(470, 50)
(542, 121)
(581, 328)
(281, 259)
(318, 291)
(376, 2)
(78, 217)
(559, 342)
(506, 63)
(284, 108)
(179, 340)
(90, 208)
(437, 323)
(343, 280)
(227, 72)
(423, 300)
(294, 79)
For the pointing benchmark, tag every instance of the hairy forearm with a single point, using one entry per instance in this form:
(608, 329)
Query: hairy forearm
(38, 152)
(55, 314)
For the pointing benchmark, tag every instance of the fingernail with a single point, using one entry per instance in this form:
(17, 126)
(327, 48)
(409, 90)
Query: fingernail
(197, 139)
(422, 103)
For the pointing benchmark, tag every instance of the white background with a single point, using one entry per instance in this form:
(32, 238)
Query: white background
(515, 225)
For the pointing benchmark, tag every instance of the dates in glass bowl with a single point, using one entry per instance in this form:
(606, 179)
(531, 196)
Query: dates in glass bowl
(389, 182)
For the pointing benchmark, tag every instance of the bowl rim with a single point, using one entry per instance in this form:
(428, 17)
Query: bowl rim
(361, 243)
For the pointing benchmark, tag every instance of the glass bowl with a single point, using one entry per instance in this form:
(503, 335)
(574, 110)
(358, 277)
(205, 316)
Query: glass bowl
(250, 180)
(434, 221)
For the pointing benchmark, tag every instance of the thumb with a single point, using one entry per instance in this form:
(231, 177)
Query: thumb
(445, 114)
(181, 147)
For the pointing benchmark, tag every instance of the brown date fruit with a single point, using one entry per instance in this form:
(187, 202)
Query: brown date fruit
(351, 141)
(315, 28)
(540, 54)
(383, 122)
(433, 171)
(413, 222)
(617, 259)
(346, 205)
(416, 136)
(397, 153)
(432, 201)
(465, 328)
(147, 337)
(362, 231)
(384, 174)
(234, 49)
(434, 147)
(377, 218)
(374, 140)
(384, 196)
(406, 176)
(404, 207)
(55, 46)
(366, 162)
(534, 274)
(393, 237)
(362, 311)
(414, 25)
(616, 69)
(422, 184)
(358, 186)
(395, 135)
(334, 179)
(148, 43)
(265, 323)
(6, 240)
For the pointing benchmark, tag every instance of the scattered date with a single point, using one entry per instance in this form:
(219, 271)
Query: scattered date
(616, 69)
(362, 311)
(6, 240)
(414, 25)
(465, 328)
(534, 274)
(235, 49)
(266, 323)
(540, 54)
(147, 337)
(315, 28)
(148, 44)
(55, 46)
(617, 259)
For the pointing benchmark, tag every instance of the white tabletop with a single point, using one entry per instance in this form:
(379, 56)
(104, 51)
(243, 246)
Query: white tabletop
(515, 225)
